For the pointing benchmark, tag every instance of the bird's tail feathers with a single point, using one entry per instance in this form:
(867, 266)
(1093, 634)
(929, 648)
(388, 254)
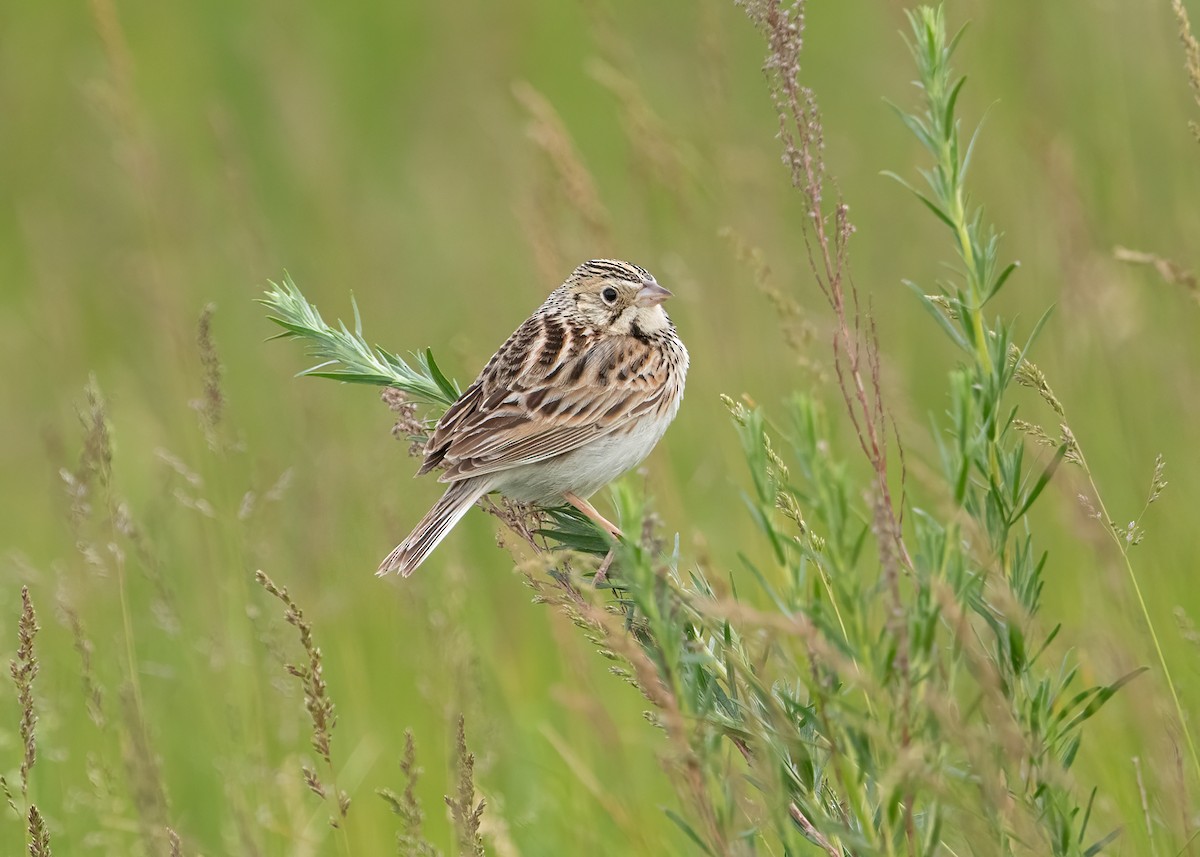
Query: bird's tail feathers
(446, 512)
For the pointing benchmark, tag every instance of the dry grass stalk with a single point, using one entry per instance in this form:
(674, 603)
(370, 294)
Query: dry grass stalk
(143, 770)
(464, 811)
(1027, 374)
(92, 692)
(1170, 271)
(535, 212)
(133, 145)
(39, 836)
(23, 671)
(410, 842)
(798, 330)
(408, 426)
(243, 207)
(816, 835)
(316, 699)
(95, 459)
(1141, 785)
(8, 797)
(547, 131)
(657, 153)
(116, 50)
(1191, 53)
(211, 405)
(119, 531)
(175, 843)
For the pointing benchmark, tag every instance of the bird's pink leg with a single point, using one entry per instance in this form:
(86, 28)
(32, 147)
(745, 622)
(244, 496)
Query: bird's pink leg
(612, 529)
(590, 512)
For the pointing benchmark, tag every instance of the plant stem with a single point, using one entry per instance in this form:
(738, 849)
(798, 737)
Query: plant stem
(1137, 590)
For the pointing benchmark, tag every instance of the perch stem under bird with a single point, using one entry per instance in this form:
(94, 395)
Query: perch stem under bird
(578, 395)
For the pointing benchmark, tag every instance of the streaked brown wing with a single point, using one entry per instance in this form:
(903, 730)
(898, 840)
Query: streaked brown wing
(542, 395)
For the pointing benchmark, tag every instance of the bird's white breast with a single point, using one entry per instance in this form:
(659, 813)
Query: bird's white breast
(586, 470)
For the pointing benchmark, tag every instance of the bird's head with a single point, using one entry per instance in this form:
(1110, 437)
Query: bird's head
(617, 297)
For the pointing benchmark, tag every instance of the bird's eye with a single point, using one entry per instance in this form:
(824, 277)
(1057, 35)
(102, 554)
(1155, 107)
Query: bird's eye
(609, 295)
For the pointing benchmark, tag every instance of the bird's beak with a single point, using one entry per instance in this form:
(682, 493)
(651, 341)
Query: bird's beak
(651, 294)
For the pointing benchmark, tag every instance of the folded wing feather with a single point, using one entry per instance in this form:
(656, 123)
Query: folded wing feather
(520, 410)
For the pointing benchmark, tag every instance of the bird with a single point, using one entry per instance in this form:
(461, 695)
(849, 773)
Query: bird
(579, 394)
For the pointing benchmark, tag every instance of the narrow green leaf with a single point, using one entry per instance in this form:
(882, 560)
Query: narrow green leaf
(357, 317)
(575, 532)
(918, 128)
(1041, 483)
(939, 315)
(966, 161)
(1037, 328)
(941, 215)
(1103, 695)
(952, 46)
(351, 377)
(948, 114)
(1099, 846)
(687, 829)
(1087, 815)
(448, 387)
(904, 183)
(289, 329)
(1046, 643)
(1001, 280)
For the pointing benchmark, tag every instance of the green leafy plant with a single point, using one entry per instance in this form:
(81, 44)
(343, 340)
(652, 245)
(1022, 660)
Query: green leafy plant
(346, 356)
(987, 463)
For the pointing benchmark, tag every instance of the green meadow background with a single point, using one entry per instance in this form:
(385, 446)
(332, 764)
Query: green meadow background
(156, 158)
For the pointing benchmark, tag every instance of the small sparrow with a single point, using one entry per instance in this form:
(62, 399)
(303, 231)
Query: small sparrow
(578, 395)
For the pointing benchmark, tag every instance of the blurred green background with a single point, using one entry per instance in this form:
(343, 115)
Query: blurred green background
(156, 158)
